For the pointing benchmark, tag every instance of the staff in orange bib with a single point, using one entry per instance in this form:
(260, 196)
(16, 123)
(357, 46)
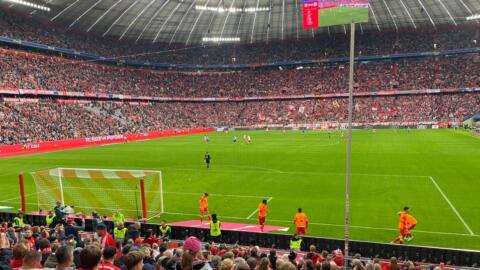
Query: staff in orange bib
(301, 222)
(262, 214)
(402, 226)
(204, 206)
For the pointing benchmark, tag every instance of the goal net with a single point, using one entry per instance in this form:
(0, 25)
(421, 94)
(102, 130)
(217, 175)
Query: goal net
(137, 193)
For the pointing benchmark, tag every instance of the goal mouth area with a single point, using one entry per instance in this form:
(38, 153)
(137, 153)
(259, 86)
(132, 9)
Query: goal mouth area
(95, 173)
(137, 193)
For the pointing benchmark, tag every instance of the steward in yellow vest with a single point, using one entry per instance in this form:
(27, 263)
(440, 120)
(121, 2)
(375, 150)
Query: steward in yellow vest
(49, 218)
(18, 220)
(119, 231)
(296, 243)
(118, 217)
(165, 230)
(215, 229)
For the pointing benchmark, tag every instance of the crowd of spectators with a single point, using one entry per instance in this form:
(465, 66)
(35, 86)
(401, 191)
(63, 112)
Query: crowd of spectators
(24, 121)
(49, 247)
(47, 120)
(32, 71)
(36, 29)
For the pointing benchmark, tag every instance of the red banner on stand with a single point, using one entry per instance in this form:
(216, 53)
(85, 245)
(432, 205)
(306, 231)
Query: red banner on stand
(38, 147)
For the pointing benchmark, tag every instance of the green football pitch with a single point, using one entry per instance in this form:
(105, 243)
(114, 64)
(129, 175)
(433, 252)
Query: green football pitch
(342, 15)
(434, 172)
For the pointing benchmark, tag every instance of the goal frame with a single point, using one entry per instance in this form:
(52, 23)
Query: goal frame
(60, 176)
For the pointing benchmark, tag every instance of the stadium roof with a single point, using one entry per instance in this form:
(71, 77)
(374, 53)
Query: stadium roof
(181, 21)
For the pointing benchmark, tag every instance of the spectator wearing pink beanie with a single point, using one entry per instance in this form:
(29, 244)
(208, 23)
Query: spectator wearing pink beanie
(191, 252)
(192, 244)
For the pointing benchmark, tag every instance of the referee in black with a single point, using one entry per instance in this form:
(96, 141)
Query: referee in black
(207, 159)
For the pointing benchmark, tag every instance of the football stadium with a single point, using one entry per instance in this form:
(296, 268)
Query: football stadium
(240, 134)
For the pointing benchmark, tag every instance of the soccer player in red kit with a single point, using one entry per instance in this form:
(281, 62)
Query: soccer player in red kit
(204, 206)
(262, 214)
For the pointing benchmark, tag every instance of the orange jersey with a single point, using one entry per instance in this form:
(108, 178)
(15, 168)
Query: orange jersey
(411, 220)
(203, 202)
(402, 222)
(262, 210)
(300, 220)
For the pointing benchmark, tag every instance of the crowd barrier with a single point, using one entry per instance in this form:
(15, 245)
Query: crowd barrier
(38, 147)
(33, 95)
(465, 258)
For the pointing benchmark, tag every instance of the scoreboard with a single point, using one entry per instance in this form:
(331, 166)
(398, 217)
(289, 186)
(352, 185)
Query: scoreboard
(321, 13)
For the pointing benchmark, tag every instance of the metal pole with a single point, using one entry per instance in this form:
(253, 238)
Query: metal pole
(349, 142)
(60, 185)
(162, 209)
(22, 193)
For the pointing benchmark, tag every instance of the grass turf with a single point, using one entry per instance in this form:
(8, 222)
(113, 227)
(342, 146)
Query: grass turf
(391, 169)
(342, 15)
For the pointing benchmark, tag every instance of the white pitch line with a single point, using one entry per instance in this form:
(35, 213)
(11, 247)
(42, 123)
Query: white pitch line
(256, 210)
(18, 197)
(216, 194)
(269, 170)
(155, 216)
(28, 195)
(168, 192)
(195, 215)
(112, 209)
(333, 225)
(451, 206)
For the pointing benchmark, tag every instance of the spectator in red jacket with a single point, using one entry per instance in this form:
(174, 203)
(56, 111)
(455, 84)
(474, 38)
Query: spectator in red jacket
(19, 252)
(338, 257)
(150, 238)
(105, 239)
(108, 258)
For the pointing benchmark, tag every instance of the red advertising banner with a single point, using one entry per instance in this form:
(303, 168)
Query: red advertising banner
(310, 14)
(21, 92)
(30, 148)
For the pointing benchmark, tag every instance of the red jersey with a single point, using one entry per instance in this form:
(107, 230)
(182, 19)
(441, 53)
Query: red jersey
(16, 263)
(151, 240)
(107, 266)
(107, 240)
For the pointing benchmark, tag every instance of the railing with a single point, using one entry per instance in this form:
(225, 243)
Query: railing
(82, 96)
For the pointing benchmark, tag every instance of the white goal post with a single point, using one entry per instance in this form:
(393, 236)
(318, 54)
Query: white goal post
(136, 193)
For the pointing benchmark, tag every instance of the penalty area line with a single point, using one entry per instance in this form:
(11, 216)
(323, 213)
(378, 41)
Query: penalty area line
(256, 210)
(334, 225)
(451, 206)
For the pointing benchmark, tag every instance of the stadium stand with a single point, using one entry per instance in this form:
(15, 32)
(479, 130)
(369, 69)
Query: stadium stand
(46, 119)
(28, 118)
(33, 71)
(336, 45)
